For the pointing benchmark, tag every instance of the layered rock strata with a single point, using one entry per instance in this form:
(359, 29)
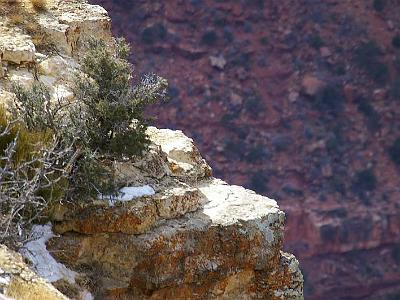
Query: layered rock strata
(203, 240)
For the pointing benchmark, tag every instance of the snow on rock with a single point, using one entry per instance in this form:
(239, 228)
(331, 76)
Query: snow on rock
(128, 193)
(44, 264)
(86, 295)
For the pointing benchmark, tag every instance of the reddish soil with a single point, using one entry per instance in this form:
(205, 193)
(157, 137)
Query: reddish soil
(300, 101)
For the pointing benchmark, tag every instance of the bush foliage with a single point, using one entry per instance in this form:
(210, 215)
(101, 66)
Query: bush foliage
(368, 57)
(56, 149)
(394, 152)
(110, 118)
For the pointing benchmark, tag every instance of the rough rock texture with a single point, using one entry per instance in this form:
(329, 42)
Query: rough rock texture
(47, 44)
(204, 240)
(18, 281)
(260, 121)
(196, 238)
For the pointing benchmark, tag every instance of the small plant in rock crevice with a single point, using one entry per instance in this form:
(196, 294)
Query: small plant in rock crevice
(39, 5)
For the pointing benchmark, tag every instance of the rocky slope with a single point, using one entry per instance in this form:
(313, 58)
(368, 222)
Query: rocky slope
(298, 100)
(175, 232)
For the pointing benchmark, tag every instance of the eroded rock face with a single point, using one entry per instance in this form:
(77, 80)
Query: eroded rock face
(228, 248)
(195, 237)
(203, 240)
(63, 29)
(18, 281)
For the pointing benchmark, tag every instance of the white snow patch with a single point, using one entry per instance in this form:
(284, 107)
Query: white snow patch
(44, 264)
(5, 279)
(86, 295)
(128, 193)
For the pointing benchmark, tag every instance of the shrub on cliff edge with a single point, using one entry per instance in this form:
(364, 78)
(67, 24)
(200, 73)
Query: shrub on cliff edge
(109, 115)
(56, 149)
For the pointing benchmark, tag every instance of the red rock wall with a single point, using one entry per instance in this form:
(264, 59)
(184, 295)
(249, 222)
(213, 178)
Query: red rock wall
(290, 99)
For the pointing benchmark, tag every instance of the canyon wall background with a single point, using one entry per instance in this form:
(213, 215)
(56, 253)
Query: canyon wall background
(298, 100)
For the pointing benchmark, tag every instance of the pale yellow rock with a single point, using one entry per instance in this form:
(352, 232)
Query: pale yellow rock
(72, 23)
(15, 46)
(1, 69)
(20, 282)
(184, 157)
(22, 77)
(58, 67)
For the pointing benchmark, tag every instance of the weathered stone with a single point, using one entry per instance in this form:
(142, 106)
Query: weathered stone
(18, 281)
(22, 77)
(58, 67)
(134, 217)
(218, 62)
(225, 249)
(184, 158)
(311, 85)
(1, 69)
(16, 47)
(73, 23)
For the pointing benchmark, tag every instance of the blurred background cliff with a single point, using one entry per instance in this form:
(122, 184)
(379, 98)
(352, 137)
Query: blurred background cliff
(297, 100)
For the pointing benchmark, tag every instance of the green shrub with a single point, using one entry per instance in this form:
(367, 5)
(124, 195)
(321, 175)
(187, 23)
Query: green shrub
(253, 103)
(256, 154)
(209, 38)
(264, 40)
(34, 107)
(396, 64)
(379, 5)
(395, 89)
(316, 41)
(154, 33)
(396, 41)
(365, 107)
(330, 99)
(367, 57)
(378, 71)
(364, 180)
(394, 152)
(327, 233)
(258, 182)
(110, 113)
(395, 296)
(60, 149)
(31, 176)
(396, 254)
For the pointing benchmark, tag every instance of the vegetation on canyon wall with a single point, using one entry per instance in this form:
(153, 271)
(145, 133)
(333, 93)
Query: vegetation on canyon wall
(58, 149)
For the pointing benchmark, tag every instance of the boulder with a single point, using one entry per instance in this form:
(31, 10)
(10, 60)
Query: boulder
(311, 85)
(225, 245)
(15, 46)
(18, 281)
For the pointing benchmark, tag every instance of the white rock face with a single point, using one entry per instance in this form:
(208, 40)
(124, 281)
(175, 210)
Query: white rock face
(58, 67)
(229, 204)
(15, 46)
(185, 159)
(72, 23)
(22, 77)
(67, 26)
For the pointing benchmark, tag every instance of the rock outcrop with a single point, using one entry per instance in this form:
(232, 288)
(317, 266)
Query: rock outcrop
(18, 281)
(199, 240)
(190, 236)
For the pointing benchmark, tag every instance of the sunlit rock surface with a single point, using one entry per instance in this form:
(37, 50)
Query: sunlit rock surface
(18, 281)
